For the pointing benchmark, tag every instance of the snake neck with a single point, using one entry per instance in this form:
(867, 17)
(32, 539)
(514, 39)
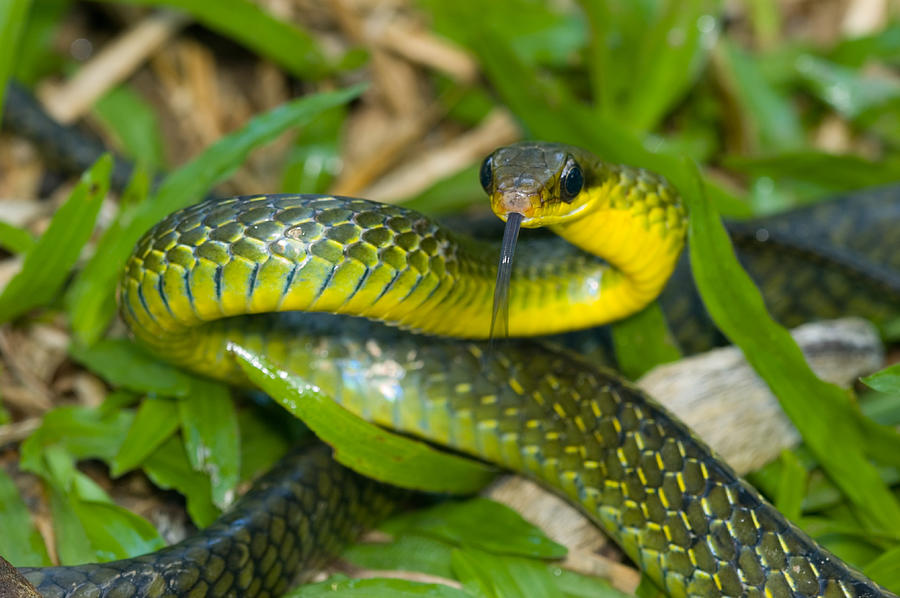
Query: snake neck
(635, 221)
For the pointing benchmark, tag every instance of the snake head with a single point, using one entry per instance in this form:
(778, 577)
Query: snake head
(545, 182)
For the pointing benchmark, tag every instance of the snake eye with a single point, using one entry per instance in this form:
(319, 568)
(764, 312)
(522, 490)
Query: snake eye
(486, 175)
(572, 182)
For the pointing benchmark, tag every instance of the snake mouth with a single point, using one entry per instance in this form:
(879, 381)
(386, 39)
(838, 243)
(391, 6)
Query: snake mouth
(526, 204)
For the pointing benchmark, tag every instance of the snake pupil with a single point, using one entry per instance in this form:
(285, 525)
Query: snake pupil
(487, 174)
(572, 182)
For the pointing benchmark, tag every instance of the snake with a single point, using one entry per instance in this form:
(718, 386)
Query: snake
(277, 273)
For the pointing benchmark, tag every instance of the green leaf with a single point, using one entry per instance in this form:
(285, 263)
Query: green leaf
(880, 45)
(361, 446)
(15, 239)
(887, 380)
(766, 20)
(122, 363)
(169, 469)
(114, 532)
(791, 486)
(89, 324)
(408, 552)
(820, 411)
(133, 123)
(884, 569)
(643, 341)
(13, 15)
(673, 52)
(155, 422)
(845, 90)
(479, 523)
(616, 28)
(82, 432)
(72, 543)
(449, 195)
(283, 43)
(211, 437)
(20, 542)
(540, 33)
(47, 264)
(576, 585)
(91, 296)
(263, 442)
(341, 587)
(775, 122)
(647, 588)
(829, 171)
(36, 56)
(494, 576)
(90, 527)
(315, 159)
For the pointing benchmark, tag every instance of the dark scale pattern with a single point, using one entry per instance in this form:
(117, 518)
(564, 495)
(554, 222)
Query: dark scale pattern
(685, 517)
(294, 519)
(680, 513)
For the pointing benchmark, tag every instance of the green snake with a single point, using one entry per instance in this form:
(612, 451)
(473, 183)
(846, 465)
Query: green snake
(217, 271)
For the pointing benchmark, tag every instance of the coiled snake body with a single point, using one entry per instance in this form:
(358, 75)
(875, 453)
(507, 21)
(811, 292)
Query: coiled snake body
(693, 526)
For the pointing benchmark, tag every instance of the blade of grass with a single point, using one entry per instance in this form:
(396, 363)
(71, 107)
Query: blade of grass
(314, 159)
(617, 28)
(122, 363)
(766, 20)
(155, 421)
(409, 552)
(791, 485)
(361, 446)
(101, 528)
(211, 437)
(15, 239)
(169, 469)
(773, 118)
(82, 432)
(844, 89)
(48, 263)
(479, 523)
(821, 412)
(837, 172)
(36, 56)
(884, 569)
(20, 542)
(246, 23)
(375, 587)
(886, 380)
(13, 15)
(134, 124)
(90, 299)
(643, 341)
(496, 576)
(672, 54)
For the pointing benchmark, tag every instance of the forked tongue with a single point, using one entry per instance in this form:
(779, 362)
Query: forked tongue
(500, 311)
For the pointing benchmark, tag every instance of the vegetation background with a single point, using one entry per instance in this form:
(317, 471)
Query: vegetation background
(779, 102)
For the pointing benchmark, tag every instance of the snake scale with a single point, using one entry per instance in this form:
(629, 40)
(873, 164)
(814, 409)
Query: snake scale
(684, 516)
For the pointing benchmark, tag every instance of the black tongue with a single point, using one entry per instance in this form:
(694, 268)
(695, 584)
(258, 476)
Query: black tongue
(500, 311)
